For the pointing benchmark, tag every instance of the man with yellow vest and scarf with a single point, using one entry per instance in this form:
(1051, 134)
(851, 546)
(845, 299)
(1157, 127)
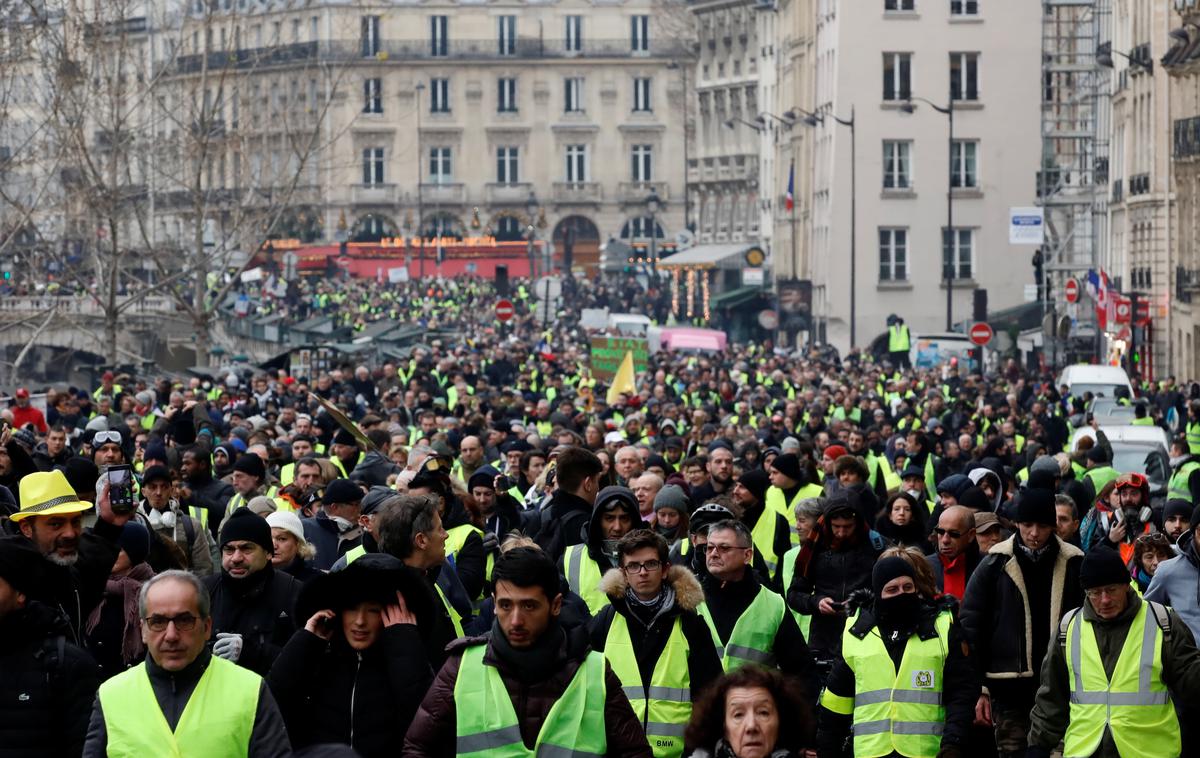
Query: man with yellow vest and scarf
(1111, 680)
(653, 640)
(183, 700)
(532, 685)
(614, 515)
(902, 684)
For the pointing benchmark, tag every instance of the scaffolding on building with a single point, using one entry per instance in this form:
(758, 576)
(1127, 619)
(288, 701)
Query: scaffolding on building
(1073, 181)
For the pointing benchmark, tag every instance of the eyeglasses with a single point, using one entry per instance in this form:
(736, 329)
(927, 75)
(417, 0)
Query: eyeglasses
(636, 568)
(184, 622)
(954, 534)
(723, 549)
(103, 437)
(1111, 590)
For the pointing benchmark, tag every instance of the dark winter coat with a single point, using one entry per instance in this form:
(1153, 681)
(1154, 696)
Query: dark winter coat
(974, 558)
(432, 734)
(214, 495)
(328, 693)
(374, 469)
(47, 685)
(322, 532)
(704, 664)
(832, 572)
(564, 523)
(996, 616)
(258, 607)
(76, 590)
(727, 601)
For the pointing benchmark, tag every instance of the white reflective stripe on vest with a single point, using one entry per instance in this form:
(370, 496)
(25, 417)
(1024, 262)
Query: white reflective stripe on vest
(1144, 695)
(673, 694)
(896, 727)
(474, 743)
(747, 653)
(872, 697)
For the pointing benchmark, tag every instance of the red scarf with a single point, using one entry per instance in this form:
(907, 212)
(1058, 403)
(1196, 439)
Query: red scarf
(954, 575)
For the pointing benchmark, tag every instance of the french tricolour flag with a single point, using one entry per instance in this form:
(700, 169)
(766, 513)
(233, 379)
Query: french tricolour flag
(791, 191)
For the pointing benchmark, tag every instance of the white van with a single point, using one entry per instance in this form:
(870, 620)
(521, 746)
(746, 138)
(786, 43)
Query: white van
(1101, 381)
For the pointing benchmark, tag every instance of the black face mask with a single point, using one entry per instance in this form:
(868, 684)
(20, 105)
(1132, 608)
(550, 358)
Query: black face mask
(900, 610)
(699, 566)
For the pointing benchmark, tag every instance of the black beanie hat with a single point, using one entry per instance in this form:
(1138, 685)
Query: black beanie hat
(887, 569)
(135, 541)
(344, 437)
(788, 465)
(20, 564)
(1177, 507)
(247, 526)
(1097, 455)
(1036, 506)
(975, 499)
(757, 481)
(81, 474)
(249, 463)
(1101, 567)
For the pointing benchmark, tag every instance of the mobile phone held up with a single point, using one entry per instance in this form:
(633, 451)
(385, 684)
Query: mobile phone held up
(120, 489)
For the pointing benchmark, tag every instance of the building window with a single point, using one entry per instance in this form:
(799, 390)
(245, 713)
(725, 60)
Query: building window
(573, 94)
(314, 29)
(897, 76)
(506, 34)
(899, 5)
(506, 90)
(372, 96)
(372, 166)
(964, 7)
(439, 36)
(641, 94)
(439, 95)
(964, 76)
(640, 34)
(574, 36)
(642, 163)
(507, 166)
(897, 164)
(964, 165)
(370, 36)
(439, 165)
(577, 163)
(958, 248)
(893, 255)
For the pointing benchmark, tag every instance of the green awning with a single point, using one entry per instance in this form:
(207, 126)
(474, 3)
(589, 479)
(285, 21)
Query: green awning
(735, 297)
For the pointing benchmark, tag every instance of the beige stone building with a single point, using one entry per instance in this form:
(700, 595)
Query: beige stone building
(870, 57)
(1140, 209)
(1182, 64)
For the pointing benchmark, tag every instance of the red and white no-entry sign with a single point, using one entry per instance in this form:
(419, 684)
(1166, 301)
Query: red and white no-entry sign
(504, 310)
(1071, 289)
(980, 333)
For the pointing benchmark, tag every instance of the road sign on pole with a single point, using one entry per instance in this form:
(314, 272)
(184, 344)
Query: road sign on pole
(504, 310)
(980, 333)
(1071, 289)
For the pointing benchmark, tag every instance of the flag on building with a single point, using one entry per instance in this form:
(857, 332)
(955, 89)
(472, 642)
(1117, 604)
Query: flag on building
(791, 192)
(1097, 286)
(623, 380)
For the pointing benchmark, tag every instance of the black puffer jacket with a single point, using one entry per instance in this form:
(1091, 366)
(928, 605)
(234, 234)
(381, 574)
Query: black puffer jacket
(329, 693)
(47, 686)
(259, 608)
(75, 590)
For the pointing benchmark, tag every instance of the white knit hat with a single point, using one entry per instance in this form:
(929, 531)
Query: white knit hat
(288, 521)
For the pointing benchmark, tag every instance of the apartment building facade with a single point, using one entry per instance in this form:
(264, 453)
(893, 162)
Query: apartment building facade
(1182, 64)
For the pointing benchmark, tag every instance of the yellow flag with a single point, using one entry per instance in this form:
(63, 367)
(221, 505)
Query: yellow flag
(623, 381)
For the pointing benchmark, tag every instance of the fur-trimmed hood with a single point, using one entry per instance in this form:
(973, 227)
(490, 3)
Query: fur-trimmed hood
(688, 593)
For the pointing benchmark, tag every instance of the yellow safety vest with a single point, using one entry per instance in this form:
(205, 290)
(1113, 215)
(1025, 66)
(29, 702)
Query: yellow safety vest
(1193, 437)
(898, 339)
(1178, 488)
(803, 621)
(894, 710)
(457, 536)
(664, 704)
(583, 576)
(486, 722)
(337, 462)
(1134, 706)
(1101, 476)
(217, 720)
(455, 616)
(753, 637)
(763, 535)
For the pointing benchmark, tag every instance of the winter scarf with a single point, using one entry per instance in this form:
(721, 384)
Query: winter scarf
(125, 589)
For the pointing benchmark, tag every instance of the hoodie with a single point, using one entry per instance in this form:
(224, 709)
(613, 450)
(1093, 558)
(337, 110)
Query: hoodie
(1177, 583)
(595, 526)
(977, 475)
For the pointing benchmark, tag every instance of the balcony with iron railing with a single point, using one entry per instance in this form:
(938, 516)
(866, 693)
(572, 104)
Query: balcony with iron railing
(510, 193)
(485, 49)
(443, 193)
(373, 194)
(637, 192)
(578, 193)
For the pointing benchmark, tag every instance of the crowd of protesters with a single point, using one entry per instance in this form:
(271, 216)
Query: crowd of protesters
(753, 553)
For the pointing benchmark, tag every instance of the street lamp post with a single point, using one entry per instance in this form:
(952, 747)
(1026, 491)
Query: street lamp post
(420, 203)
(948, 266)
(652, 206)
(531, 206)
(814, 119)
